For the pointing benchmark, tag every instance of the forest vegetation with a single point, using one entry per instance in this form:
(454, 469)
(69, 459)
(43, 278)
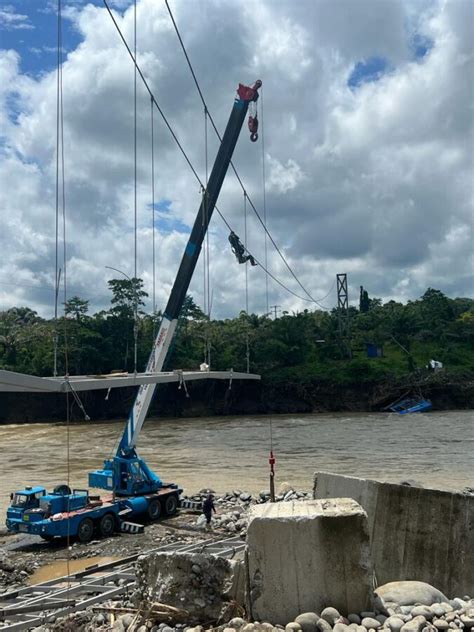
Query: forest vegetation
(300, 348)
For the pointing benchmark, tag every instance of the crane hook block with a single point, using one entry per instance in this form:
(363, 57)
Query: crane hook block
(247, 93)
(253, 127)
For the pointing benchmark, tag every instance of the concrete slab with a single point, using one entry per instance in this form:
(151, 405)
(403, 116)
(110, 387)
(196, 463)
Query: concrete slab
(304, 556)
(416, 534)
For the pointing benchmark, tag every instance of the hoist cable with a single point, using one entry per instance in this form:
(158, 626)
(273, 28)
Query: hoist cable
(190, 165)
(262, 222)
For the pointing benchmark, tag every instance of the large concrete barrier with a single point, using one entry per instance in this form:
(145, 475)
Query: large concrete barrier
(304, 556)
(416, 534)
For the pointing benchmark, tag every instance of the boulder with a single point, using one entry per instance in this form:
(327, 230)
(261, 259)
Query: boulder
(308, 621)
(406, 593)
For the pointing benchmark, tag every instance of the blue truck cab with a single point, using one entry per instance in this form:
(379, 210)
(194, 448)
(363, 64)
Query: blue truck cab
(61, 513)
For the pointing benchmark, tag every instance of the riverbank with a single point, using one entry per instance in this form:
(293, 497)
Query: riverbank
(397, 607)
(447, 391)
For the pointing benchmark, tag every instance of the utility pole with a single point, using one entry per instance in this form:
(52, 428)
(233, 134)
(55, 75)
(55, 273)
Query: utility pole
(343, 313)
(275, 309)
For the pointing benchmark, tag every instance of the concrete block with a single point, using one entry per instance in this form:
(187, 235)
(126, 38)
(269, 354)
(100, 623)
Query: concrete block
(207, 587)
(304, 556)
(416, 533)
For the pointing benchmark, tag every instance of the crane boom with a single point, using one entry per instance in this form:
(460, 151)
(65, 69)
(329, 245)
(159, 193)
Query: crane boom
(188, 263)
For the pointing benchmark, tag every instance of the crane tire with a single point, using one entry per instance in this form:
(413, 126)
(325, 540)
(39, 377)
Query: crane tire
(154, 509)
(46, 538)
(171, 505)
(85, 530)
(107, 525)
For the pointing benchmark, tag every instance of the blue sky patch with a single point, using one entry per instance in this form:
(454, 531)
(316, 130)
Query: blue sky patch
(165, 222)
(30, 28)
(421, 45)
(366, 71)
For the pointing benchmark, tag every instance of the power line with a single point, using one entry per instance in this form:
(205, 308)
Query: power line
(175, 138)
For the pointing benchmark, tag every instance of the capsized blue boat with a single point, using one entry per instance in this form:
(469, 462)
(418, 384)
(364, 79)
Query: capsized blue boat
(411, 405)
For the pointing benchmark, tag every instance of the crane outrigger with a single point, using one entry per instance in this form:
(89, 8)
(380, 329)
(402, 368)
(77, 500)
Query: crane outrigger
(135, 488)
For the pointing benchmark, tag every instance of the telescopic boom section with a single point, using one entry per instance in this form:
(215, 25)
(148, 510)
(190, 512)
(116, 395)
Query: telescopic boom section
(188, 263)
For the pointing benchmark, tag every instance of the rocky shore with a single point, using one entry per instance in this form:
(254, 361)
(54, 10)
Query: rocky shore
(398, 607)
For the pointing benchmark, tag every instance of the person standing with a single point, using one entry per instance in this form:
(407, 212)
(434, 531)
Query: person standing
(208, 507)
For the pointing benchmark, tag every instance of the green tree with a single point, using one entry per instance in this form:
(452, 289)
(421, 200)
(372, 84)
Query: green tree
(76, 307)
(127, 294)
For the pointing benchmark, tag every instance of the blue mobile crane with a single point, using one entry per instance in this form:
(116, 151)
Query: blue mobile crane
(135, 488)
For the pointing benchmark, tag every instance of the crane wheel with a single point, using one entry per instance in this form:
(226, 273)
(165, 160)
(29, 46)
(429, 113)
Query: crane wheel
(107, 525)
(154, 509)
(46, 538)
(85, 530)
(171, 505)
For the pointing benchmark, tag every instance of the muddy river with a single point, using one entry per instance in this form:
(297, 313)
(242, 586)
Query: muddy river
(435, 449)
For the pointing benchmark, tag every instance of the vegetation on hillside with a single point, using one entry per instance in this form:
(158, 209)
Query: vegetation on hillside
(302, 346)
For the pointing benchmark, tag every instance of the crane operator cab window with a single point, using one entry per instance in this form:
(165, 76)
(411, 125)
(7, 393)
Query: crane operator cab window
(26, 501)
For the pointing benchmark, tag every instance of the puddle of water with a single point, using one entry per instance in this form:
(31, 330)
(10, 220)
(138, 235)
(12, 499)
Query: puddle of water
(61, 567)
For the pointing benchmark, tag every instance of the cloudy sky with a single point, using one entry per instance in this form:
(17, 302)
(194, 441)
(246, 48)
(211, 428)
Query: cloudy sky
(368, 121)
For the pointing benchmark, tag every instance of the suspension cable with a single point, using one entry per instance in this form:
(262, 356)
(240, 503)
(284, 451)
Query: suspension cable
(262, 136)
(207, 298)
(153, 217)
(190, 165)
(60, 184)
(247, 345)
(135, 289)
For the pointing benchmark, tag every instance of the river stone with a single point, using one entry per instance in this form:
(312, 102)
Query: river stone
(308, 621)
(331, 615)
(354, 618)
(424, 611)
(468, 619)
(415, 625)
(410, 592)
(236, 623)
(382, 618)
(292, 627)
(394, 623)
(437, 609)
(370, 623)
(324, 626)
(249, 627)
(447, 606)
(340, 627)
(367, 614)
(458, 604)
(353, 626)
(440, 624)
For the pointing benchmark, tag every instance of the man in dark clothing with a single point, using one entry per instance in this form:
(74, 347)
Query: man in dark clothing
(208, 508)
(239, 250)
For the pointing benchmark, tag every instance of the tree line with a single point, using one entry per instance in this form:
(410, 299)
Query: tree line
(297, 346)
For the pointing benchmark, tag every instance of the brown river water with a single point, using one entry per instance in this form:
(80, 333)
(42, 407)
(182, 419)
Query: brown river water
(435, 449)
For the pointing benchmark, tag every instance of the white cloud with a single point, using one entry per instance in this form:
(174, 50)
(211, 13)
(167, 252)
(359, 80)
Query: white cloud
(376, 182)
(10, 20)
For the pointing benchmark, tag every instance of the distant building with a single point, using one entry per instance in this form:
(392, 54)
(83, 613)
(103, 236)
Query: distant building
(374, 351)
